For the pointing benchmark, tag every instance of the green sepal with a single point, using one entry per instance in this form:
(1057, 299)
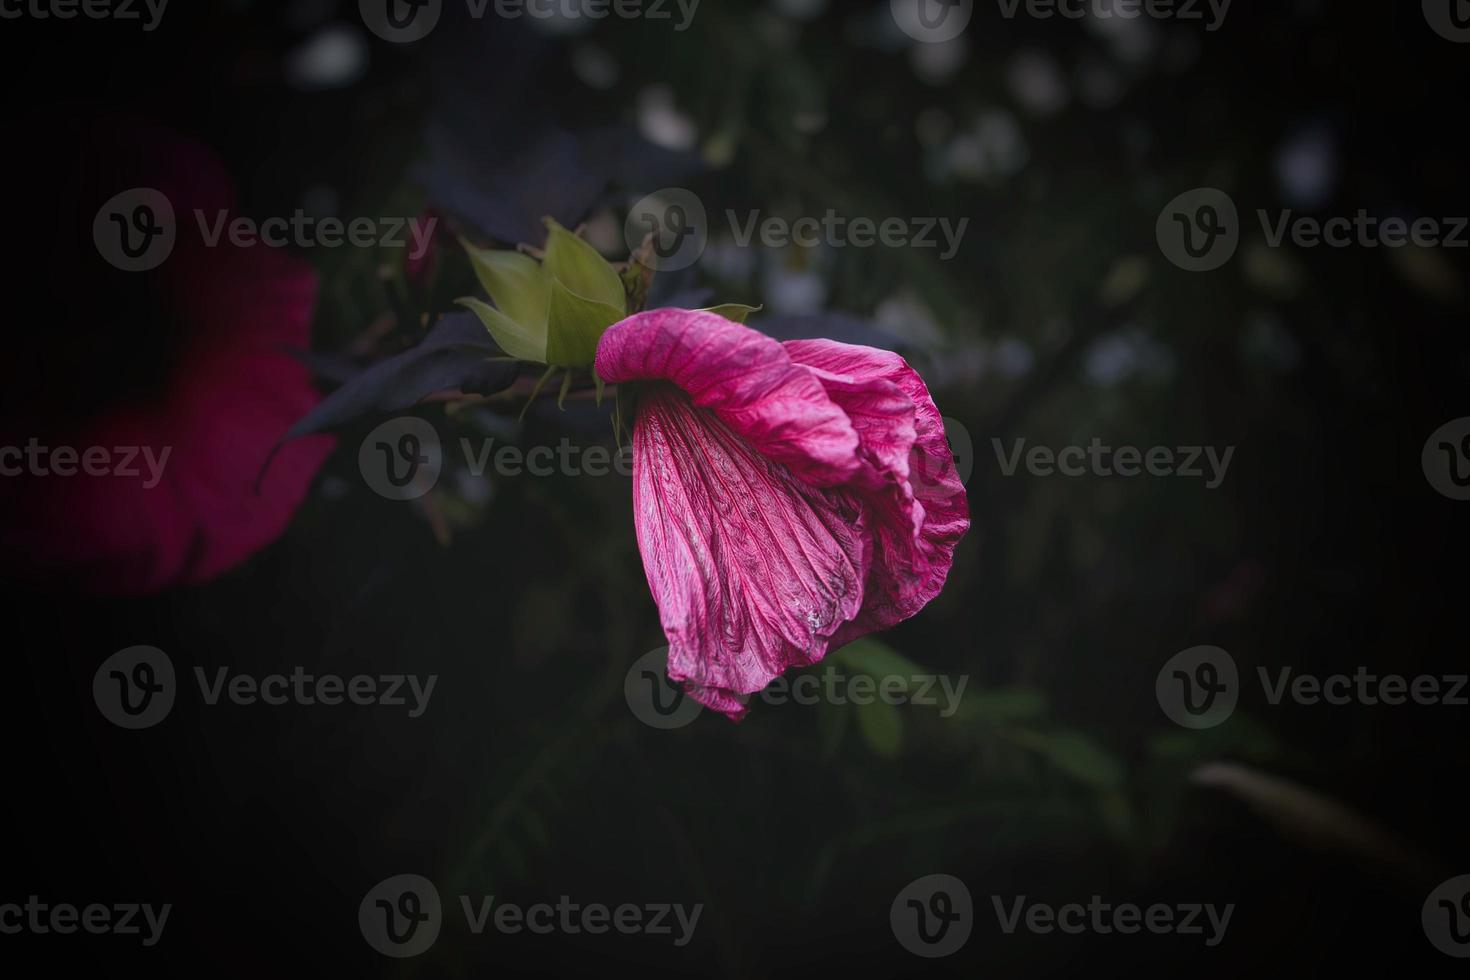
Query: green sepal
(521, 341)
(732, 311)
(576, 325)
(578, 267)
(516, 283)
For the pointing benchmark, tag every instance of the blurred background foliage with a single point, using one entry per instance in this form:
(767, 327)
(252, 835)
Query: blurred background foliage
(1057, 321)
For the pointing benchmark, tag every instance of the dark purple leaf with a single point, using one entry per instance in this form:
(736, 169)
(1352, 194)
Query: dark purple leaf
(455, 355)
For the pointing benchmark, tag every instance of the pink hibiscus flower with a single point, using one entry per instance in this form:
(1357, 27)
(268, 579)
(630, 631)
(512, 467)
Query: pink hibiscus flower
(178, 504)
(788, 497)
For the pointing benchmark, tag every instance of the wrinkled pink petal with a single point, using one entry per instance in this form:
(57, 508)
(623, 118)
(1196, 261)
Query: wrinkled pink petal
(921, 513)
(788, 498)
(752, 568)
(745, 378)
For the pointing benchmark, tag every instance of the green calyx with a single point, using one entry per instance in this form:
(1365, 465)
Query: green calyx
(552, 311)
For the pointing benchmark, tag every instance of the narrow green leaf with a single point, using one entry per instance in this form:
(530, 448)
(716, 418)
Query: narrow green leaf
(832, 725)
(1076, 755)
(581, 270)
(516, 339)
(1002, 705)
(882, 727)
(733, 311)
(535, 392)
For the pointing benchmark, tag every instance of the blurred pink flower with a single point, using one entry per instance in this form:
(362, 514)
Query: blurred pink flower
(229, 396)
(788, 498)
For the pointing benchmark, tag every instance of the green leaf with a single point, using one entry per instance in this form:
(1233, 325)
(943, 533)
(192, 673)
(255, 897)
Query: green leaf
(882, 727)
(1001, 705)
(832, 725)
(581, 270)
(516, 283)
(516, 339)
(732, 311)
(1117, 814)
(876, 659)
(1076, 755)
(576, 325)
